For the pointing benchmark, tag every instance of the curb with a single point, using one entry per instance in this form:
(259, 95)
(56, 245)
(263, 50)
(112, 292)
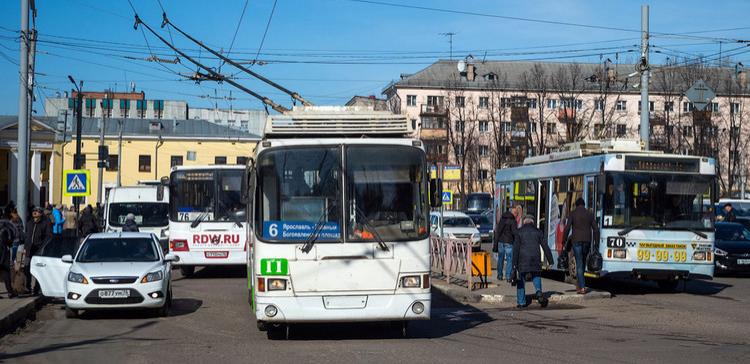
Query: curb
(16, 314)
(462, 295)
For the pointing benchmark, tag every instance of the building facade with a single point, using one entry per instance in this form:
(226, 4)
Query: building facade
(482, 116)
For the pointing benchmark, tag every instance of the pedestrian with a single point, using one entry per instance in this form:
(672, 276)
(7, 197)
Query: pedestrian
(730, 215)
(19, 239)
(87, 223)
(527, 261)
(130, 225)
(583, 230)
(518, 213)
(7, 235)
(38, 233)
(57, 222)
(505, 230)
(71, 222)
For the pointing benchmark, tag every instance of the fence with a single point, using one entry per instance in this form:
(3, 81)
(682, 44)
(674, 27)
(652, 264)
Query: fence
(451, 258)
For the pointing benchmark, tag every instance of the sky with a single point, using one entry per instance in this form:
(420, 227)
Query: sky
(331, 50)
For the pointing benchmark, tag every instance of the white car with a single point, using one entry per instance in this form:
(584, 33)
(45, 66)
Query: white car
(109, 271)
(456, 225)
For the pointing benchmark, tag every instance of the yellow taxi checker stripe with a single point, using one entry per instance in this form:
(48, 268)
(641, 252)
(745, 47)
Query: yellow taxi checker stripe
(661, 246)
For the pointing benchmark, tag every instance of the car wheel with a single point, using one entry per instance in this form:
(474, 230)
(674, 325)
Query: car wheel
(187, 270)
(70, 313)
(164, 310)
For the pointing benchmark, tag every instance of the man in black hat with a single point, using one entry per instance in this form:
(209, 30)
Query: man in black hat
(38, 233)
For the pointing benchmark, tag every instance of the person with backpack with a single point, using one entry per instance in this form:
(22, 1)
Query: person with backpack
(505, 230)
(583, 230)
(58, 220)
(527, 261)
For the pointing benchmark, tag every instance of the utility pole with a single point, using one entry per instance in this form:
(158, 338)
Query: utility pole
(79, 122)
(119, 152)
(101, 161)
(643, 67)
(22, 174)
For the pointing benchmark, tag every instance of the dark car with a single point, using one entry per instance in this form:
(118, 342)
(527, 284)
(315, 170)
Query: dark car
(732, 248)
(484, 225)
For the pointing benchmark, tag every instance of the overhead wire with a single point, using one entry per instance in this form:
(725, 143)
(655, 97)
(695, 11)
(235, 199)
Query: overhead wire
(265, 32)
(236, 30)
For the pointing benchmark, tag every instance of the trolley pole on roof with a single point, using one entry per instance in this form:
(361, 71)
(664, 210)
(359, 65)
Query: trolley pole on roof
(643, 67)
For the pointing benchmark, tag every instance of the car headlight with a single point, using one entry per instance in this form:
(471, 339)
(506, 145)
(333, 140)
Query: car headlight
(720, 252)
(77, 278)
(153, 277)
(411, 282)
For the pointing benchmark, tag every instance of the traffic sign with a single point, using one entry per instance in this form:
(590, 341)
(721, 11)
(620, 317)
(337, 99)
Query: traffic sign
(448, 197)
(77, 182)
(700, 95)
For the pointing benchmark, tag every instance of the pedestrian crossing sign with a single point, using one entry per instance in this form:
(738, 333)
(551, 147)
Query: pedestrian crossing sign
(77, 182)
(448, 197)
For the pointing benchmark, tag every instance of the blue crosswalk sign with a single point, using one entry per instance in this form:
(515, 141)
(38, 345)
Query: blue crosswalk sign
(77, 182)
(448, 197)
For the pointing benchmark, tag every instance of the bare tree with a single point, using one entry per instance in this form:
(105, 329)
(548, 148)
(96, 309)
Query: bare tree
(462, 130)
(569, 82)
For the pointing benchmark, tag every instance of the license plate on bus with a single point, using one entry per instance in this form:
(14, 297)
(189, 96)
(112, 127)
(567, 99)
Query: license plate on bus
(216, 254)
(743, 261)
(114, 293)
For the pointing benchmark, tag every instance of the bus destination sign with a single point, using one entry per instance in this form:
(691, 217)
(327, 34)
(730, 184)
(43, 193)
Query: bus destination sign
(639, 163)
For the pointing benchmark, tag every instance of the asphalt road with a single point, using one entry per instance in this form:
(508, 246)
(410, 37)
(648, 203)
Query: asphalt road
(709, 322)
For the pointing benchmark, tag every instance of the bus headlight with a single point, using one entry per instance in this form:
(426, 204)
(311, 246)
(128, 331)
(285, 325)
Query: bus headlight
(620, 253)
(699, 255)
(271, 311)
(720, 253)
(417, 307)
(276, 284)
(411, 282)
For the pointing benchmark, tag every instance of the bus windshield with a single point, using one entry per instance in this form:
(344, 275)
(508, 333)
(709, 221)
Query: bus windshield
(386, 193)
(479, 202)
(211, 195)
(147, 214)
(299, 192)
(661, 201)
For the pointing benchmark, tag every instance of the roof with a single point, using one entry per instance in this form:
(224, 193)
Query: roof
(174, 129)
(509, 75)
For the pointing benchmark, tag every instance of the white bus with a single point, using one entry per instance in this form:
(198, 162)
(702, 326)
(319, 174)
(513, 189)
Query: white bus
(340, 222)
(207, 216)
(654, 210)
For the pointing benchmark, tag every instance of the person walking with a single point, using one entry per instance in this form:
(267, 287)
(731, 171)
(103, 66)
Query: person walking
(87, 223)
(38, 233)
(7, 235)
(130, 225)
(71, 222)
(583, 230)
(527, 261)
(58, 220)
(19, 239)
(505, 231)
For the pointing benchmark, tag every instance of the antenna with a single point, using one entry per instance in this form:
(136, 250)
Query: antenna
(450, 41)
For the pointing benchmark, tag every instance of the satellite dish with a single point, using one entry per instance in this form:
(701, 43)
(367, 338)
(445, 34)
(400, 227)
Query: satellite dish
(461, 66)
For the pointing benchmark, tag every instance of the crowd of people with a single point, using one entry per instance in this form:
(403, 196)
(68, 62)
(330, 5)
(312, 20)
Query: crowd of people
(19, 243)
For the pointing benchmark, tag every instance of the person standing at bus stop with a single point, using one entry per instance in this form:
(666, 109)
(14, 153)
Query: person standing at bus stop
(527, 261)
(503, 244)
(583, 230)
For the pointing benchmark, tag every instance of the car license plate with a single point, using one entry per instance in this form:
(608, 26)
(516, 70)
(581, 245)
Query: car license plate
(114, 293)
(216, 254)
(743, 261)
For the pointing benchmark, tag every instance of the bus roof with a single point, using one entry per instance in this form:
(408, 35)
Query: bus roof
(207, 166)
(316, 121)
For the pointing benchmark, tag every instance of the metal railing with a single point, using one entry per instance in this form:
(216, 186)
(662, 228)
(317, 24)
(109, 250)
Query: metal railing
(451, 258)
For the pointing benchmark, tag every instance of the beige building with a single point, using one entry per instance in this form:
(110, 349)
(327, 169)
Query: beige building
(488, 115)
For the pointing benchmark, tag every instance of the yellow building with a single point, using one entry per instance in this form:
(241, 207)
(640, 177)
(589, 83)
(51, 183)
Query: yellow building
(149, 148)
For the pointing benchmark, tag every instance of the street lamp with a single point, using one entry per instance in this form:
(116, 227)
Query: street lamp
(79, 120)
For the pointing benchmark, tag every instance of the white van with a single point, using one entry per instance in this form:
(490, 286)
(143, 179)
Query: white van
(151, 210)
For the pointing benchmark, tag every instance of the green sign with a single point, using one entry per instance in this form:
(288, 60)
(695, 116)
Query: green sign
(274, 267)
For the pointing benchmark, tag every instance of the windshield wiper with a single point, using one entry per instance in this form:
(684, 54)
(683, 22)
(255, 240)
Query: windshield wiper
(628, 229)
(367, 225)
(198, 220)
(696, 232)
(316, 230)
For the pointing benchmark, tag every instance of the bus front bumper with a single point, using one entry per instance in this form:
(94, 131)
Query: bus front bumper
(658, 271)
(314, 308)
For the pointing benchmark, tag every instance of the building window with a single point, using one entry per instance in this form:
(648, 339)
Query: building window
(140, 106)
(621, 105)
(669, 106)
(734, 108)
(598, 129)
(484, 126)
(411, 100)
(505, 102)
(220, 160)
(90, 107)
(191, 155)
(650, 106)
(490, 77)
(460, 124)
(715, 106)
(242, 161)
(144, 163)
(551, 103)
(687, 131)
(112, 162)
(484, 151)
(434, 100)
(459, 149)
(484, 102)
(484, 175)
(571, 103)
(551, 128)
(243, 124)
(531, 126)
(687, 106)
(599, 105)
(531, 103)
(460, 101)
(734, 131)
(175, 160)
(622, 129)
(124, 108)
(158, 108)
(433, 122)
(506, 126)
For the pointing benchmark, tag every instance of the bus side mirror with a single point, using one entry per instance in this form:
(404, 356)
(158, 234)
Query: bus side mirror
(160, 188)
(436, 192)
(248, 182)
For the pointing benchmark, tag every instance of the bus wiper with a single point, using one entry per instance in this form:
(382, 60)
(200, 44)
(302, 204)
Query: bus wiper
(628, 229)
(198, 220)
(696, 232)
(316, 231)
(367, 225)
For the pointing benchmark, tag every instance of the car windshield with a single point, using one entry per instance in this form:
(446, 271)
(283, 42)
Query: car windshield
(386, 193)
(666, 201)
(458, 221)
(118, 250)
(147, 214)
(481, 219)
(213, 195)
(732, 232)
(299, 192)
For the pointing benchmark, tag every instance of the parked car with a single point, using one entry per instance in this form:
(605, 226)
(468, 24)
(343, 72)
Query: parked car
(456, 225)
(109, 271)
(732, 248)
(484, 225)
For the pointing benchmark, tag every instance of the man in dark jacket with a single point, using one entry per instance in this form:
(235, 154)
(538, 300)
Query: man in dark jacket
(38, 233)
(729, 214)
(87, 223)
(584, 230)
(130, 225)
(505, 230)
(527, 260)
(7, 235)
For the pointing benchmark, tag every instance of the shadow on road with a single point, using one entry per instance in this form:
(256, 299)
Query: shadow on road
(214, 272)
(626, 286)
(180, 307)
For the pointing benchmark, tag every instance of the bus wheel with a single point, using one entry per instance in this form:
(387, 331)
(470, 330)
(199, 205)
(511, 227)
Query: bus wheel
(277, 332)
(262, 326)
(187, 270)
(668, 285)
(570, 275)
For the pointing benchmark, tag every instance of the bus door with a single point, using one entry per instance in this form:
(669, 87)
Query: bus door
(542, 217)
(590, 193)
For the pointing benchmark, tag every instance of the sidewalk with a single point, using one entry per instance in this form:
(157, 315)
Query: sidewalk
(502, 293)
(14, 312)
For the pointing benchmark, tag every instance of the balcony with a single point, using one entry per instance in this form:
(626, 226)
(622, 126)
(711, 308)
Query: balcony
(434, 134)
(566, 115)
(519, 114)
(433, 110)
(656, 120)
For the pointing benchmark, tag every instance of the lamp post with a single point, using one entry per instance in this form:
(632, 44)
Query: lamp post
(79, 120)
